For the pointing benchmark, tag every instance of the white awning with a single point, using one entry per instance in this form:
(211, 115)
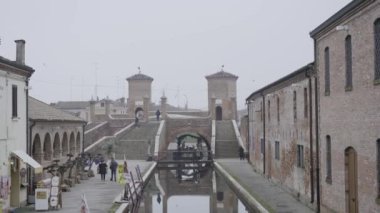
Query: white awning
(29, 160)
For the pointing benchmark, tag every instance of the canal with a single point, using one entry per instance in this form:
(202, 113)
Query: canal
(170, 191)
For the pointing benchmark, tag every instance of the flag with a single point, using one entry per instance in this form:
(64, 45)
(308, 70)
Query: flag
(84, 206)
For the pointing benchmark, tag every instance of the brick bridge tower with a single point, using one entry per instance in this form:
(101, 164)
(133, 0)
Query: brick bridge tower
(222, 95)
(139, 96)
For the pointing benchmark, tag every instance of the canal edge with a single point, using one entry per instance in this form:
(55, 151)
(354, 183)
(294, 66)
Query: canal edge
(147, 173)
(246, 196)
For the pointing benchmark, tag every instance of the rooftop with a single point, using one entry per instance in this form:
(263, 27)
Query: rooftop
(39, 110)
(14, 64)
(140, 76)
(222, 74)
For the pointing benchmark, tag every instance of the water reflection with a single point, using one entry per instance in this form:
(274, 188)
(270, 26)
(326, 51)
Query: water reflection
(205, 192)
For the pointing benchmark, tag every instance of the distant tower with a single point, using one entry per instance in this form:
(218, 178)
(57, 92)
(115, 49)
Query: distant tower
(222, 95)
(139, 96)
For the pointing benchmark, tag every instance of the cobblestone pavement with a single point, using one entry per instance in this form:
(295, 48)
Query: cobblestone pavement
(99, 194)
(265, 192)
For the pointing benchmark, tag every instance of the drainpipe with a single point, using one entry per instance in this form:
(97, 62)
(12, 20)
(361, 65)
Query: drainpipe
(308, 75)
(317, 146)
(317, 130)
(263, 112)
(83, 129)
(28, 140)
(29, 151)
(248, 135)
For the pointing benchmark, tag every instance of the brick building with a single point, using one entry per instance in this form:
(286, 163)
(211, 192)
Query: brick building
(347, 60)
(281, 134)
(139, 96)
(222, 95)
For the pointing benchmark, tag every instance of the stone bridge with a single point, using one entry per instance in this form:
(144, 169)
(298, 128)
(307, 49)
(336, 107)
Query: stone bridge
(178, 126)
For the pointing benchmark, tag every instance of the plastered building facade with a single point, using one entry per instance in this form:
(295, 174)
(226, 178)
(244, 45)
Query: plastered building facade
(14, 78)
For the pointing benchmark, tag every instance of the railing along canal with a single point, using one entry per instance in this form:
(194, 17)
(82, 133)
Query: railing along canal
(184, 159)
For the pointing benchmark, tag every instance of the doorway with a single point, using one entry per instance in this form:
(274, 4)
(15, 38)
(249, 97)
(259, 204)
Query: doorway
(351, 180)
(219, 113)
(15, 183)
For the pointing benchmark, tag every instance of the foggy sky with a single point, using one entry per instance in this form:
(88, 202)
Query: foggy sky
(75, 45)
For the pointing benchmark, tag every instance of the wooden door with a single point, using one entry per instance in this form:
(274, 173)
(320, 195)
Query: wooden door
(219, 113)
(351, 180)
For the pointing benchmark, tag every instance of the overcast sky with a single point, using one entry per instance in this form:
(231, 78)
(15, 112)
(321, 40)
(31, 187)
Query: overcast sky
(74, 45)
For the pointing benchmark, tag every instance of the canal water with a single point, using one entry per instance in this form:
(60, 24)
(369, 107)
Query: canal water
(171, 191)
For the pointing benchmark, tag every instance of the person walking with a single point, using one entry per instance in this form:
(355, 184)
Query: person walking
(125, 167)
(158, 113)
(102, 169)
(241, 153)
(113, 167)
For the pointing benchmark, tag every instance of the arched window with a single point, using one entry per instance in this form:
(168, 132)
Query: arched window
(327, 71)
(278, 109)
(328, 159)
(295, 105)
(268, 111)
(305, 104)
(377, 50)
(348, 46)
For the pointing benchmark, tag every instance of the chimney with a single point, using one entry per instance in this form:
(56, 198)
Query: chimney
(20, 51)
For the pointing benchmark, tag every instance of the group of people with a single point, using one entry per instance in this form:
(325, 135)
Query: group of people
(102, 169)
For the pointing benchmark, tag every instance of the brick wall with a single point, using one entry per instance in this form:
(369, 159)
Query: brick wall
(350, 118)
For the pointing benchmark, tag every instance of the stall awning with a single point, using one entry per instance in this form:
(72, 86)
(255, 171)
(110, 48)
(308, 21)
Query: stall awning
(28, 160)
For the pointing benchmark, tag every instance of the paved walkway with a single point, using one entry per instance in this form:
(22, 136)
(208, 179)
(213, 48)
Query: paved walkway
(264, 191)
(100, 195)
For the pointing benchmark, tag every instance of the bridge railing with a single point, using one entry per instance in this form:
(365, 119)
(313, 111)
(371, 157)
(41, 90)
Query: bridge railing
(185, 156)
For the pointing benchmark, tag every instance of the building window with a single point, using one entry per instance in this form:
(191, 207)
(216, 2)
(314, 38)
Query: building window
(377, 51)
(14, 101)
(262, 146)
(306, 106)
(327, 71)
(378, 168)
(295, 105)
(277, 150)
(300, 159)
(348, 45)
(328, 159)
(268, 111)
(278, 109)
(102, 104)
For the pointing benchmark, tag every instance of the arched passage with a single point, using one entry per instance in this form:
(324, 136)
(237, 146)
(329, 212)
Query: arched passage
(195, 150)
(56, 146)
(72, 143)
(197, 140)
(78, 143)
(65, 145)
(351, 176)
(47, 147)
(36, 150)
(218, 113)
(139, 113)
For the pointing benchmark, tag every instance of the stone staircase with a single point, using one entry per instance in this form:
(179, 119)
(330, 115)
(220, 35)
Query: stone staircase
(226, 144)
(135, 142)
